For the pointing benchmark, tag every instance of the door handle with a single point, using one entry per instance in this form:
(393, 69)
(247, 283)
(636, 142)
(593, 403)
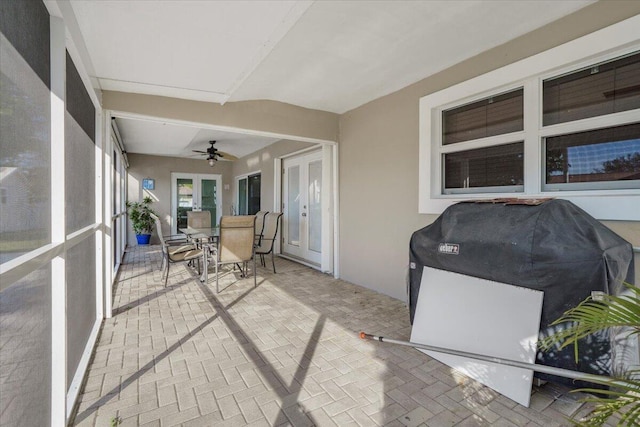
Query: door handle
(304, 214)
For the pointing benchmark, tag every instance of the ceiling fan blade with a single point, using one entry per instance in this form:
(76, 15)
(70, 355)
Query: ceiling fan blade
(226, 156)
(199, 151)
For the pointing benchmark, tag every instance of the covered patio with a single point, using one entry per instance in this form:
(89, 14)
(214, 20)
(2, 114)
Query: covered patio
(286, 352)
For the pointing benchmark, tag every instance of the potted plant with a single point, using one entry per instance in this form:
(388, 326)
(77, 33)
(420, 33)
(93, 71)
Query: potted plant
(141, 221)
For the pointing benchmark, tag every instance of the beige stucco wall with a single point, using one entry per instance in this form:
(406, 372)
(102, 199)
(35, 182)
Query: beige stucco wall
(160, 168)
(263, 161)
(378, 153)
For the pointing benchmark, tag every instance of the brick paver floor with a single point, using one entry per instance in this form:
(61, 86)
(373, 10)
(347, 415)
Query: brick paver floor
(284, 353)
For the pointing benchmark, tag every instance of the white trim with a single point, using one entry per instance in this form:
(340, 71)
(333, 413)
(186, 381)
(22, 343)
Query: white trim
(100, 205)
(83, 365)
(616, 40)
(19, 267)
(301, 261)
(58, 263)
(110, 241)
(326, 238)
(277, 197)
(336, 214)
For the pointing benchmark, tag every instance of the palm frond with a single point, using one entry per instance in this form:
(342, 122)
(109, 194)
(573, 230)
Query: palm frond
(592, 316)
(622, 398)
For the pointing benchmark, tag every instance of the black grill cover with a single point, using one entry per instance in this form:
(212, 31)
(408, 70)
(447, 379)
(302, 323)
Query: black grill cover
(550, 245)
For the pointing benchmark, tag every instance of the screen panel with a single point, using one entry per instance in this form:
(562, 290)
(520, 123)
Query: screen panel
(79, 153)
(25, 211)
(25, 350)
(81, 301)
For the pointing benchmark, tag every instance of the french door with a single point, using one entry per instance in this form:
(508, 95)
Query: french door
(302, 207)
(194, 192)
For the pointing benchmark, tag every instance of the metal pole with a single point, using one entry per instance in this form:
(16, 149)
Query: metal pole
(534, 367)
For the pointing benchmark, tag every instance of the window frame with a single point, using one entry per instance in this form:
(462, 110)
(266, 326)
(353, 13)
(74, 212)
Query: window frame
(529, 73)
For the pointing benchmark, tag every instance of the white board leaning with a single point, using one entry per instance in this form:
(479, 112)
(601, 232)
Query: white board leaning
(480, 316)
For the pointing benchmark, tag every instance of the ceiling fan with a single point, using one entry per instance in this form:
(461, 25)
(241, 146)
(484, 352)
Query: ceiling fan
(213, 154)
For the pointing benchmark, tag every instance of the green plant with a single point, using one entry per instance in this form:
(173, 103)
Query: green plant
(140, 215)
(622, 398)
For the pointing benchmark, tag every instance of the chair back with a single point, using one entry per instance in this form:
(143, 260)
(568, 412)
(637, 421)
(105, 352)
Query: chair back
(159, 231)
(199, 219)
(271, 226)
(236, 238)
(260, 223)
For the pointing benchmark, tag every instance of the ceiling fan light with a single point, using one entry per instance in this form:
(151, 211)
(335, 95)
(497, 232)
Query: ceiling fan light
(211, 162)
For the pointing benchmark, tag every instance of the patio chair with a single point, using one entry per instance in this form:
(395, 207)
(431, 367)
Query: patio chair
(260, 225)
(271, 223)
(199, 219)
(235, 245)
(175, 250)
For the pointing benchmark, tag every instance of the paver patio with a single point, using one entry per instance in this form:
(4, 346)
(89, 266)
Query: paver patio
(284, 353)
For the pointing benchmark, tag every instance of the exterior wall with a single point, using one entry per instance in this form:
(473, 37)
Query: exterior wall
(378, 154)
(263, 161)
(160, 168)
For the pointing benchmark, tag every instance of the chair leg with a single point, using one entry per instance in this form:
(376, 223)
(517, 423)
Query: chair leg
(273, 262)
(255, 280)
(166, 278)
(217, 287)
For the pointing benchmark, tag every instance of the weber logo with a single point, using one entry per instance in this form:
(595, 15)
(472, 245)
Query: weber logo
(449, 248)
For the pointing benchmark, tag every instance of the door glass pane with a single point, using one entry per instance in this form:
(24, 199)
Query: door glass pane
(209, 197)
(242, 196)
(293, 206)
(254, 194)
(315, 206)
(185, 200)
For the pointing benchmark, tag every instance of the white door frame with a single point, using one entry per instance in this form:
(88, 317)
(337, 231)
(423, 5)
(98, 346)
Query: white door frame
(196, 177)
(330, 199)
(301, 189)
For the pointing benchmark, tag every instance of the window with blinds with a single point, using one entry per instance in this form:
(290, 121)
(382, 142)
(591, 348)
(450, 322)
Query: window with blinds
(600, 89)
(495, 115)
(482, 143)
(593, 158)
(499, 166)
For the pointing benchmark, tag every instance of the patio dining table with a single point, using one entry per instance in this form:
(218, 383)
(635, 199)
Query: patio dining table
(202, 237)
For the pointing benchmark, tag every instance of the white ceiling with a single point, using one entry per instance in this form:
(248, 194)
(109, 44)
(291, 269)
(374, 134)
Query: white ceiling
(326, 55)
(167, 139)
